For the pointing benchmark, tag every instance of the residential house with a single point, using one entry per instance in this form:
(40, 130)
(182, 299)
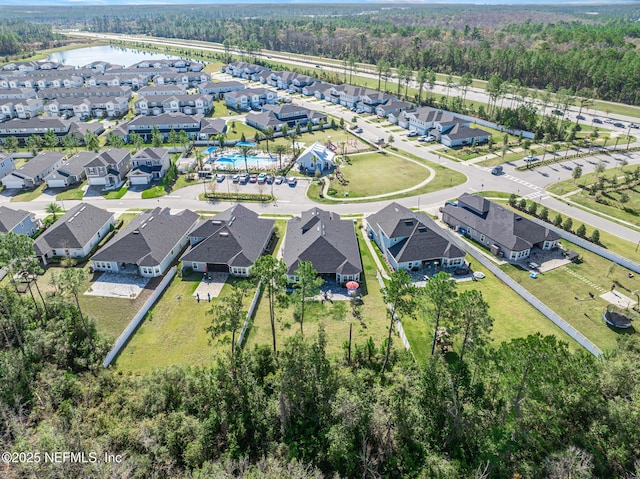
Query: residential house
(134, 80)
(29, 108)
(393, 107)
(23, 129)
(75, 234)
(316, 157)
(187, 104)
(186, 79)
(7, 164)
(411, 240)
(425, 119)
(218, 89)
(277, 116)
(84, 92)
(250, 98)
(230, 242)
(371, 99)
(462, 135)
(325, 240)
(165, 122)
(148, 165)
(19, 222)
(33, 172)
(211, 127)
(17, 93)
(243, 69)
(346, 95)
(163, 90)
(70, 172)
(109, 168)
(504, 232)
(148, 245)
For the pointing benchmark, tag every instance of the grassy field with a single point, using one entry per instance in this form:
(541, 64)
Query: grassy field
(365, 171)
(566, 292)
(513, 316)
(29, 195)
(335, 316)
(174, 330)
(239, 127)
(72, 193)
(220, 109)
(115, 194)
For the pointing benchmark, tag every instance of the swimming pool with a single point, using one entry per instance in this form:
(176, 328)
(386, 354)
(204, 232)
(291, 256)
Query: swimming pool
(237, 161)
(210, 150)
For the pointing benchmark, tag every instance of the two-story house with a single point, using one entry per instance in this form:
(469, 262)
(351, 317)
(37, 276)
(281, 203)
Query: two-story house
(187, 104)
(277, 116)
(218, 89)
(7, 164)
(250, 98)
(109, 168)
(148, 165)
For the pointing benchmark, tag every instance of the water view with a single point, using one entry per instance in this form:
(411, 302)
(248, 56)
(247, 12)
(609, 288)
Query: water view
(107, 53)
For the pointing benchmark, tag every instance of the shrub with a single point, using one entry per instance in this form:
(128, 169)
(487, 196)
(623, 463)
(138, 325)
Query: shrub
(581, 231)
(595, 237)
(522, 204)
(568, 224)
(557, 221)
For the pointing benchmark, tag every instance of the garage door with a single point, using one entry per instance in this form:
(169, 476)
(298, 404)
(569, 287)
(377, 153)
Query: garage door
(138, 180)
(217, 268)
(57, 183)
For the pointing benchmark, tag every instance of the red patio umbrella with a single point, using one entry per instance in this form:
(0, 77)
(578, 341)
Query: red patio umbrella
(352, 285)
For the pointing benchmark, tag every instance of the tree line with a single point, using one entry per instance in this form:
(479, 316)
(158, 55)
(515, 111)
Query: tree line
(526, 408)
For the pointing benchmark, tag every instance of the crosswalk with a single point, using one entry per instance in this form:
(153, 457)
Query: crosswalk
(538, 192)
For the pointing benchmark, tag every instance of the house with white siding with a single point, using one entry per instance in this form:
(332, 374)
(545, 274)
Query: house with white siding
(148, 245)
(75, 234)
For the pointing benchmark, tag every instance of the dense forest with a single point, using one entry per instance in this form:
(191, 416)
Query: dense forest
(18, 36)
(528, 408)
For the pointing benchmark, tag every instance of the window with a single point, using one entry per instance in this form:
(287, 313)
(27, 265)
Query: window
(482, 238)
(194, 265)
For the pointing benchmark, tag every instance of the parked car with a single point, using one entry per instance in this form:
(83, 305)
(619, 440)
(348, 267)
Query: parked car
(244, 178)
(608, 120)
(619, 124)
(478, 275)
(220, 177)
(262, 178)
(497, 170)
(270, 179)
(633, 125)
(412, 133)
(235, 178)
(359, 111)
(579, 117)
(357, 130)
(531, 158)
(558, 112)
(279, 180)
(597, 120)
(379, 140)
(253, 178)
(293, 182)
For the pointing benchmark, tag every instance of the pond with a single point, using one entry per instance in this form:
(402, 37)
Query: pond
(116, 55)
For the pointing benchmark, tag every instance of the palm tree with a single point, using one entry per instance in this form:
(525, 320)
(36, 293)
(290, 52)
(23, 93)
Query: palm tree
(246, 150)
(294, 135)
(280, 149)
(220, 138)
(53, 209)
(268, 136)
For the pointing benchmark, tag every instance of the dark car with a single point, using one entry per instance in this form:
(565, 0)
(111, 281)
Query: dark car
(619, 124)
(580, 117)
(293, 182)
(270, 179)
(558, 112)
(597, 120)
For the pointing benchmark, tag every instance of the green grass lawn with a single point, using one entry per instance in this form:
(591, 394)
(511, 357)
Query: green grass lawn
(72, 193)
(154, 192)
(115, 194)
(220, 109)
(371, 174)
(335, 316)
(559, 288)
(29, 195)
(235, 133)
(513, 316)
(174, 332)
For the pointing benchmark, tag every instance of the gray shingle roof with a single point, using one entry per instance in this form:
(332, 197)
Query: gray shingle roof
(149, 238)
(422, 239)
(74, 229)
(110, 157)
(75, 165)
(10, 218)
(39, 163)
(323, 238)
(497, 222)
(235, 237)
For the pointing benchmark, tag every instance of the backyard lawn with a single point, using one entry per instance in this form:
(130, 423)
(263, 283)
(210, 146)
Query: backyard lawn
(336, 316)
(566, 292)
(174, 330)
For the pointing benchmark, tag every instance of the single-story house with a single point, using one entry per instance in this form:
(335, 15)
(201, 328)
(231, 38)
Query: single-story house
(230, 242)
(504, 232)
(462, 135)
(410, 240)
(316, 157)
(19, 222)
(71, 171)
(75, 234)
(148, 245)
(325, 240)
(33, 172)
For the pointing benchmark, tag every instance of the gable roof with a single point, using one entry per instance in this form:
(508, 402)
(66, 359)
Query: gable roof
(323, 238)
(74, 229)
(235, 237)
(151, 153)
(422, 238)
(459, 131)
(39, 163)
(75, 165)
(10, 218)
(110, 157)
(499, 223)
(149, 238)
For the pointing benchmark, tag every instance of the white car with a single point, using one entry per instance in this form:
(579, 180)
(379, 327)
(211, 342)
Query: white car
(478, 275)
(531, 158)
(412, 133)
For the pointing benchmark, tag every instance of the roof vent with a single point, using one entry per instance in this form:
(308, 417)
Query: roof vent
(216, 222)
(151, 219)
(224, 233)
(408, 223)
(422, 229)
(136, 232)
